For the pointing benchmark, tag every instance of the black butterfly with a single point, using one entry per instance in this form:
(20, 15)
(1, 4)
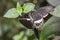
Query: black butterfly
(36, 16)
(34, 20)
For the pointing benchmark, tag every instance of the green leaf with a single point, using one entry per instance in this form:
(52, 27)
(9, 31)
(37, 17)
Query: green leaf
(25, 38)
(28, 7)
(11, 13)
(19, 8)
(29, 32)
(54, 2)
(18, 36)
(52, 26)
(56, 11)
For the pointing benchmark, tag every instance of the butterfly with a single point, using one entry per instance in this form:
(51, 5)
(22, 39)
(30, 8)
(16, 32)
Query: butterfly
(35, 20)
(37, 16)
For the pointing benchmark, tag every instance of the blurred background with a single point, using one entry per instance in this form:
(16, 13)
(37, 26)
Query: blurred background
(12, 29)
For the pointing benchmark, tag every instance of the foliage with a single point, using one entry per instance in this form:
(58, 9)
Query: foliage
(12, 29)
(54, 2)
(12, 13)
(56, 11)
(28, 7)
(19, 8)
(50, 27)
(15, 12)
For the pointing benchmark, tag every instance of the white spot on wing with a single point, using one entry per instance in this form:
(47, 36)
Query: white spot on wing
(28, 19)
(38, 21)
(45, 15)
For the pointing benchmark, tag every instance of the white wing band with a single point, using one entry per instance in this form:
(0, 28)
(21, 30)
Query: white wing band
(38, 21)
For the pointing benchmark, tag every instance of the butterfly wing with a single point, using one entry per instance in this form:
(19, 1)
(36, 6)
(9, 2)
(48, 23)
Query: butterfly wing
(43, 11)
(39, 14)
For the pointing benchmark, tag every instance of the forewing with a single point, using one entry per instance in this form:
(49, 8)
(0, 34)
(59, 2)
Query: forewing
(43, 11)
